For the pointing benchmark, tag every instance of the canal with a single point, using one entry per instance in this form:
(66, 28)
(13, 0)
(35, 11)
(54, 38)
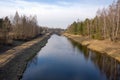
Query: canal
(64, 59)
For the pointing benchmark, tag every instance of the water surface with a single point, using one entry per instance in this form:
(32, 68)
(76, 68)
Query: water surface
(63, 59)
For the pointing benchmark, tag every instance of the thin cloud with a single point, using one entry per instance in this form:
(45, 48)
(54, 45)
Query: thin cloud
(60, 14)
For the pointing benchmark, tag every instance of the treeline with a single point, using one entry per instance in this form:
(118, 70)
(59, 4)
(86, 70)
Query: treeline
(5, 29)
(19, 28)
(25, 27)
(106, 24)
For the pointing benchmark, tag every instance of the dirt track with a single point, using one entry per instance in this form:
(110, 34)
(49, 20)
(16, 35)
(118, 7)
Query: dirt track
(14, 61)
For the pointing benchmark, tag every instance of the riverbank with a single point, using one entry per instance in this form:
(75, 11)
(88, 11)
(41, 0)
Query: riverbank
(14, 61)
(102, 46)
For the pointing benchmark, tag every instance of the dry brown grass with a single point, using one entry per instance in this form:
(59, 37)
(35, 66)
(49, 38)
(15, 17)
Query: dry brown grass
(102, 46)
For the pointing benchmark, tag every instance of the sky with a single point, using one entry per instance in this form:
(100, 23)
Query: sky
(53, 13)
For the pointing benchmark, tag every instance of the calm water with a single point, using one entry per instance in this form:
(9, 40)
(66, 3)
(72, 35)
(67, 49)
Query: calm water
(63, 59)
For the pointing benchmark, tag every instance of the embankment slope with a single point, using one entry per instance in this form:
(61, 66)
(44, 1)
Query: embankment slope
(102, 46)
(13, 62)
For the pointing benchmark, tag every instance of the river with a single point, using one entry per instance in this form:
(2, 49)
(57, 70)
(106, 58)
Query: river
(64, 59)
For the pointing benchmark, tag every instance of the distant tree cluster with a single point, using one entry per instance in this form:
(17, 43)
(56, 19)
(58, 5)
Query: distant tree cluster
(25, 27)
(105, 25)
(5, 29)
(19, 28)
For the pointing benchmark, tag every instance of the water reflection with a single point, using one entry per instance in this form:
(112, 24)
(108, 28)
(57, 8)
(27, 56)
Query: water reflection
(83, 49)
(106, 64)
(64, 59)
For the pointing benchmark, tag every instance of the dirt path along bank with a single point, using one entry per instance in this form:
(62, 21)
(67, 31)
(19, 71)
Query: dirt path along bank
(14, 61)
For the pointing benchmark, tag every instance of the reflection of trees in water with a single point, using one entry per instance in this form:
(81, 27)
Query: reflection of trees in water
(84, 50)
(106, 64)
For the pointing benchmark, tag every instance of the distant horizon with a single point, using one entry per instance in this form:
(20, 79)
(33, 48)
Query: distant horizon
(53, 13)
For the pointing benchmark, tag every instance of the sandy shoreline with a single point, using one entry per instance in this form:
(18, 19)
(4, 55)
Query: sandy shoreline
(102, 46)
(13, 62)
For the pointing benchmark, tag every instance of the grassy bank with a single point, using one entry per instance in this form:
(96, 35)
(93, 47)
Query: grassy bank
(102, 46)
(14, 61)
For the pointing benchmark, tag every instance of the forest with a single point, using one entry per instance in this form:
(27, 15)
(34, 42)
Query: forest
(19, 28)
(105, 25)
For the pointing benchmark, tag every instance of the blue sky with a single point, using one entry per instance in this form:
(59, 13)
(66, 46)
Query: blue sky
(53, 13)
(89, 2)
(94, 2)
